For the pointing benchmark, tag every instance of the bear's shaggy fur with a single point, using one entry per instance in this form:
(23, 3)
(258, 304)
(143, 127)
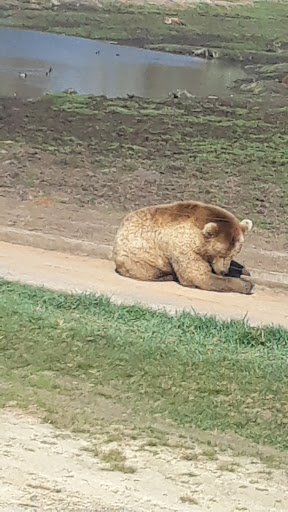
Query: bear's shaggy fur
(182, 241)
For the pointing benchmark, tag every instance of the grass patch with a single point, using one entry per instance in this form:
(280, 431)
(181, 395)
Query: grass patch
(189, 499)
(226, 466)
(191, 455)
(209, 453)
(72, 102)
(115, 460)
(58, 351)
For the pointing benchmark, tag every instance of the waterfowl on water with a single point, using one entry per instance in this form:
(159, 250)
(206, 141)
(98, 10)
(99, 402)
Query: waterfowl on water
(23, 75)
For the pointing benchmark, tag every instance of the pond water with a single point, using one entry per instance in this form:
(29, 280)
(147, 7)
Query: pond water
(97, 67)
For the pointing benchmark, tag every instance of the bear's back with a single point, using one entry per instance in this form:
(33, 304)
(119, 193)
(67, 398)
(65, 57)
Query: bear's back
(195, 213)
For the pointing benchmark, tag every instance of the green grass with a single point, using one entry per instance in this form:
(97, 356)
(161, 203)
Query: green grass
(66, 353)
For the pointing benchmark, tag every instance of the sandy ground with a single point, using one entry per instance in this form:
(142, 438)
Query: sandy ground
(61, 271)
(43, 469)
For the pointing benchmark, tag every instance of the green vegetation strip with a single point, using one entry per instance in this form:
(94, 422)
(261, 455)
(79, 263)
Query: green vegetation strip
(194, 370)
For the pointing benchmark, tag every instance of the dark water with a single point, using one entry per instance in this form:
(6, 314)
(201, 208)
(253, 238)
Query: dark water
(115, 71)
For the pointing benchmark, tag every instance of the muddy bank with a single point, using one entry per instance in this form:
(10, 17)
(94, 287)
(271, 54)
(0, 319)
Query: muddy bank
(250, 34)
(126, 154)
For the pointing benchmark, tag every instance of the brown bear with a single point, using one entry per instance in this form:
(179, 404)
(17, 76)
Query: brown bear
(182, 241)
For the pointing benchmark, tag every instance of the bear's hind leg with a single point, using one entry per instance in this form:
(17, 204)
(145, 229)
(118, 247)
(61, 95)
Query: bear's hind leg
(142, 271)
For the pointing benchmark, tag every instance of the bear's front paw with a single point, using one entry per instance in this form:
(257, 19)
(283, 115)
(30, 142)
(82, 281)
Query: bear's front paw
(247, 286)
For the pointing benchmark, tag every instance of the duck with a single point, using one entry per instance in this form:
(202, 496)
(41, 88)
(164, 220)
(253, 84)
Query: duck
(23, 75)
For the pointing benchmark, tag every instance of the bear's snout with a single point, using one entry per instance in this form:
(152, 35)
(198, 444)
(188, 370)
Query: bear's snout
(221, 266)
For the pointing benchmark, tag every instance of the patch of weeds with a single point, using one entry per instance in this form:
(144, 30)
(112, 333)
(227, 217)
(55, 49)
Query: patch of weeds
(190, 474)
(273, 71)
(120, 110)
(133, 149)
(150, 442)
(190, 455)
(30, 180)
(116, 461)
(9, 145)
(93, 450)
(273, 462)
(226, 466)
(113, 438)
(209, 453)
(70, 145)
(155, 112)
(72, 103)
(189, 499)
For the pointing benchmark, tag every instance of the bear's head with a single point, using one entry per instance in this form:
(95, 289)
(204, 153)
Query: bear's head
(223, 240)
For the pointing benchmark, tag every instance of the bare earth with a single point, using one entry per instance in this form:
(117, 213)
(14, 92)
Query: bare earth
(43, 469)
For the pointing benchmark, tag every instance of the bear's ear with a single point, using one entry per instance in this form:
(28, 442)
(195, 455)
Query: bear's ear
(246, 225)
(210, 229)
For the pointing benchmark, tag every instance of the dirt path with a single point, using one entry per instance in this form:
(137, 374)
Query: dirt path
(42, 469)
(60, 271)
(46, 225)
